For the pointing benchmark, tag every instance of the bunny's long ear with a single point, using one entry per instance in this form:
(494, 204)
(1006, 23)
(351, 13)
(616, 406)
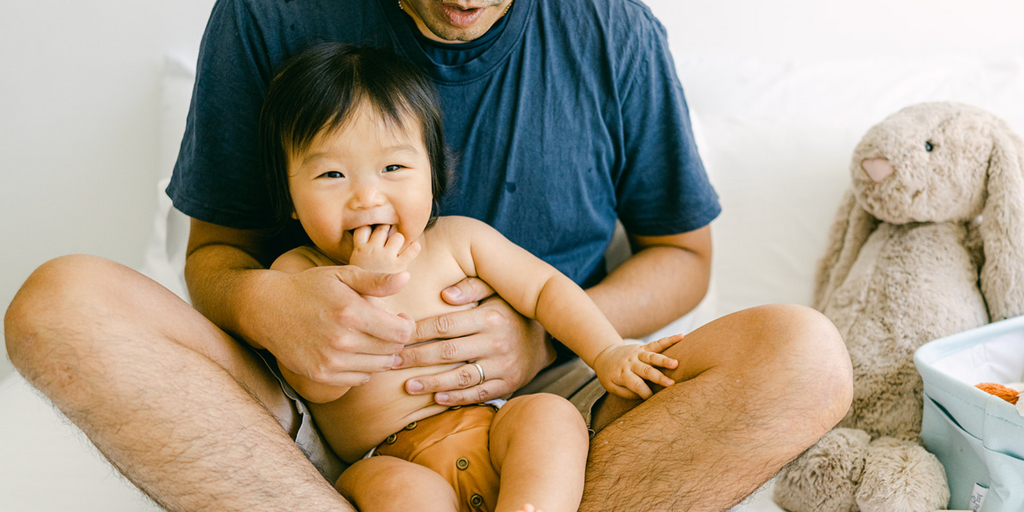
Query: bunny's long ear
(1002, 229)
(849, 231)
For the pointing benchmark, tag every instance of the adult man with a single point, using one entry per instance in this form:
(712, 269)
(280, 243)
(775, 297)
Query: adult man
(565, 114)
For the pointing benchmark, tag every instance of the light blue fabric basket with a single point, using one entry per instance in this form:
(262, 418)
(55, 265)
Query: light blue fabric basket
(979, 438)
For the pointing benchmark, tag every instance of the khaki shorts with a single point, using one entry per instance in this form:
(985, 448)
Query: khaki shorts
(572, 379)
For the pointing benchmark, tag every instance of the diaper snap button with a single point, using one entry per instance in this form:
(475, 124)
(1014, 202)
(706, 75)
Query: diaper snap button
(410, 426)
(391, 439)
(476, 501)
(462, 463)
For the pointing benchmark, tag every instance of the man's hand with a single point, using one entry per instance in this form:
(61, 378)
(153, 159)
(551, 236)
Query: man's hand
(622, 369)
(322, 328)
(509, 348)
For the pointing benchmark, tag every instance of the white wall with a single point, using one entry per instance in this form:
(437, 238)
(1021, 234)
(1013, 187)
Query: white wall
(819, 29)
(79, 108)
(79, 95)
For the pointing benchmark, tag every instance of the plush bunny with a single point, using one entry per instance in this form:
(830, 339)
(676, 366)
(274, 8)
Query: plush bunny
(928, 241)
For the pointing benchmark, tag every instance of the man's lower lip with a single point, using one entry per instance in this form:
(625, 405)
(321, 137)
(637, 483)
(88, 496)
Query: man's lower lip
(460, 18)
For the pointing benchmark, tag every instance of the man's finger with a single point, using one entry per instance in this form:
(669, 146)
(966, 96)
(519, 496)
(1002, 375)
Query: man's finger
(467, 291)
(375, 284)
(460, 378)
(359, 316)
(449, 325)
(381, 332)
(360, 363)
(332, 369)
(376, 334)
(348, 379)
(487, 391)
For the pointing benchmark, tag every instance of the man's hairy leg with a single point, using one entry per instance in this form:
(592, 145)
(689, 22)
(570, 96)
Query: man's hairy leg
(754, 390)
(178, 406)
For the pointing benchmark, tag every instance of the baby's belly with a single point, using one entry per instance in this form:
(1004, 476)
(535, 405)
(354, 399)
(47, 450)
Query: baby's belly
(368, 414)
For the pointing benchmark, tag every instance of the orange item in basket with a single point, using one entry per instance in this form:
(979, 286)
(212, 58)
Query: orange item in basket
(1008, 394)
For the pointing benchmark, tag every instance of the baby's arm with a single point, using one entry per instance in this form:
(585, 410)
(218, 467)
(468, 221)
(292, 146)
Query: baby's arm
(538, 290)
(293, 262)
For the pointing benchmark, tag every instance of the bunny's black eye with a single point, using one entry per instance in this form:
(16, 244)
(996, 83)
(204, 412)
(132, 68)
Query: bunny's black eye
(928, 146)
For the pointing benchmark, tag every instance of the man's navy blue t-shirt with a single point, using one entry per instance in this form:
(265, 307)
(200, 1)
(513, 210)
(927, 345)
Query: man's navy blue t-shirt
(564, 117)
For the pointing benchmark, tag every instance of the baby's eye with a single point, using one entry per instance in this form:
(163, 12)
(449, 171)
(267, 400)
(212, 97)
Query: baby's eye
(332, 174)
(928, 146)
(392, 168)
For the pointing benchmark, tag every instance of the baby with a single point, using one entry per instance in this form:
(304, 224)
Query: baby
(354, 151)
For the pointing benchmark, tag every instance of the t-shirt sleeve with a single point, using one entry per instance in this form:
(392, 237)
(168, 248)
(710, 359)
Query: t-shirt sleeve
(663, 188)
(217, 177)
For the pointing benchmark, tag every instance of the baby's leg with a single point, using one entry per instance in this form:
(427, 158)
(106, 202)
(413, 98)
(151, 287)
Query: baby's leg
(539, 447)
(390, 484)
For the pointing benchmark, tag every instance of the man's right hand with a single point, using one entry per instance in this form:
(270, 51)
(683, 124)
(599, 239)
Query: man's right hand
(325, 330)
(315, 321)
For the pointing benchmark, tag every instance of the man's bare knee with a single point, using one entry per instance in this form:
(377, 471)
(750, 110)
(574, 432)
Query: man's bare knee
(817, 352)
(79, 305)
(790, 357)
(45, 301)
(805, 357)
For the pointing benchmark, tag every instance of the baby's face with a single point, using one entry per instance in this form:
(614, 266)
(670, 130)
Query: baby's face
(367, 173)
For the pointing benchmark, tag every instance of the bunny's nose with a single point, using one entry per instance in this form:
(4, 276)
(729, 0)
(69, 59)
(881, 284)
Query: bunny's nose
(877, 168)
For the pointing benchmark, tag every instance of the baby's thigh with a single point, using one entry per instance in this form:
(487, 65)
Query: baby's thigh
(390, 484)
(542, 420)
(538, 409)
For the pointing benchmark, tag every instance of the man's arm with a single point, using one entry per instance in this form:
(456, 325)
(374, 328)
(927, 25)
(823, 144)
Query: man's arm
(666, 277)
(315, 322)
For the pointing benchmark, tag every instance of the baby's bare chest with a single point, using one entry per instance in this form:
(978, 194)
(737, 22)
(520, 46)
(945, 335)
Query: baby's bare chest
(367, 414)
(434, 270)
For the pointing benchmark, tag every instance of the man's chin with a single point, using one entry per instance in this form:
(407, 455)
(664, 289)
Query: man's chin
(454, 26)
(451, 34)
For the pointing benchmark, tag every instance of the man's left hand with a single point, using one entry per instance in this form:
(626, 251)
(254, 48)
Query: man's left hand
(509, 348)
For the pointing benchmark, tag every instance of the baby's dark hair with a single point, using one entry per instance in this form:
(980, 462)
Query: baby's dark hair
(318, 90)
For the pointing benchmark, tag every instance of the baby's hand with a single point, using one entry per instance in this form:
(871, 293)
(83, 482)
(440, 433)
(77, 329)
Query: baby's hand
(373, 249)
(622, 369)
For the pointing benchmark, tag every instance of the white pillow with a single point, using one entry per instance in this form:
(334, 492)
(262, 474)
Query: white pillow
(779, 183)
(164, 259)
